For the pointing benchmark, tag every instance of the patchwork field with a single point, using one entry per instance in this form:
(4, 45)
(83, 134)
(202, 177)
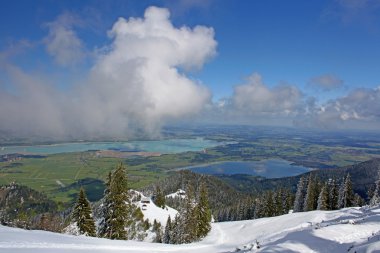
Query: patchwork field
(61, 175)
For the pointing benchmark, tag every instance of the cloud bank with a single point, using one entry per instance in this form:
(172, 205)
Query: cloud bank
(255, 102)
(137, 82)
(257, 98)
(359, 106)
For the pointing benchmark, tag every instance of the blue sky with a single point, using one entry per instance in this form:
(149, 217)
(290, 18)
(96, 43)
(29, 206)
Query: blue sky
(322, 51)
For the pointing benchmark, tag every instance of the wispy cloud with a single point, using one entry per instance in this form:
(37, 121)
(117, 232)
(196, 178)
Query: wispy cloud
(178, 8)
(62, 42)
(326, 82)
(362, 12)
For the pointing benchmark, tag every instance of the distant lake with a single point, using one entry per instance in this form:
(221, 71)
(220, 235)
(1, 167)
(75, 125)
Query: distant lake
(169, 146)
(272, 168)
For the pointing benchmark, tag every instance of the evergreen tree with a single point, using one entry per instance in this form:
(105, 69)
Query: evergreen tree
(168, 231)
(300, 196)
(82, 215)
(158, 237)
(160, 198)
(269, 204)
(204, 213)
(310, 198)
(259, 209)
(177, 232)
(278, 202)
(103, 226)
(118, 208)
(358, 201)
(188, 221)
(323, 199)
(346, 195)
(333, 195)
(375, 200)
(288, 201)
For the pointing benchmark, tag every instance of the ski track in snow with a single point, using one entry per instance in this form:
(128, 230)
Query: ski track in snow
(348, 230)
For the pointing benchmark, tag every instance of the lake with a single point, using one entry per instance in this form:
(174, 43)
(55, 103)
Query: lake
(168, 146)
(271, 168)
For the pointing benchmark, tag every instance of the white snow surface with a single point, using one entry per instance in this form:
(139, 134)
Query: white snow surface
(346, 230)
(179, 193)
(153, 212)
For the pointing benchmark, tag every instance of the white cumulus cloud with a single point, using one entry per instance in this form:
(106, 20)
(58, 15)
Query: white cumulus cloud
(257, 98)
(137, 83)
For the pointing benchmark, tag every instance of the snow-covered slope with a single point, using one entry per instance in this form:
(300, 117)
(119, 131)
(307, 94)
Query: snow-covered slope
(178, 194)
(152, 212)
(347, 230)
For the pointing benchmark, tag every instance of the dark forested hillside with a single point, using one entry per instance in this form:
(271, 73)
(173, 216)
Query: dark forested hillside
(24, 207)
(220, 194)
(363, 177)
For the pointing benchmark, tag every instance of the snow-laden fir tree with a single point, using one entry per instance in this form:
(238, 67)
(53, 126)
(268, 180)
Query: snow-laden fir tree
(168, 231)
(375, 200)
(82, 215)
(323, 198)
(203, 213)
(103, 225)
(157, 229)
(193, 220)
(358, 201)
(269, 205)
(117, 206)
(346, 194)
(160, 198)
(300, 195)
(333, 194)
(189, 217)
(278, 202)
(312, 194)
(177, 230)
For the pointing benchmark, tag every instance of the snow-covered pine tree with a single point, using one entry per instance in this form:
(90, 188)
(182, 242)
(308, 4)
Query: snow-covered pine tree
(300, 196)
(177, 232)
(375, 200)
(309, 202)
(358, 201)
(346, 195)
(160, 198)
(349, 191)
(323, 198)
(278, 202)
(157, 229)
(258, 209)
(168, 231)
(82, 215)
(240, 210)
(189, 217)
(103, 225)
(288, 201)
(269, 204)
(118, 207)
(204, 213)
(333, 194)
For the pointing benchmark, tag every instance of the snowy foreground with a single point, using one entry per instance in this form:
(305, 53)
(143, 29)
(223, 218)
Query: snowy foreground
(347, 230)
